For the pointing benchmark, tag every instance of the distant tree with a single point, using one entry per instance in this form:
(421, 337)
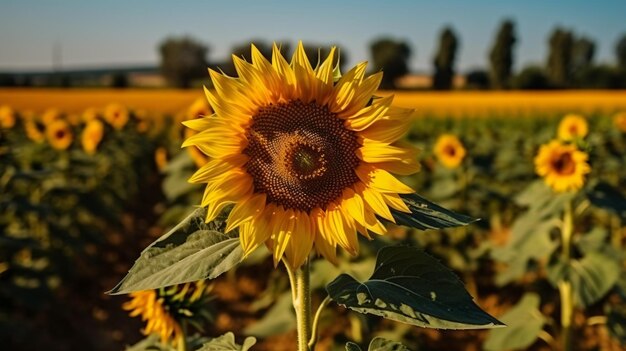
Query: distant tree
(620, 52)
(531, 78)
(559, 65)
(501, 56)
(583, 50)
(7, 80)
(444, 60)
(477, 80)
(119, 80)
(391, 57)
(602, 77)
(182, 60)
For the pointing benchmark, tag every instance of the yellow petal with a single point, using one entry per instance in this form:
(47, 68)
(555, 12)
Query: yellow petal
(217, 167)
(375, 202)
(386, 131)
(252, 234)
(344, 91)
(363, 94)
(301, 242)
(246, 210)
(403, 167)
(396, 202)
(374, 151)
(381, 180)
(369, 115)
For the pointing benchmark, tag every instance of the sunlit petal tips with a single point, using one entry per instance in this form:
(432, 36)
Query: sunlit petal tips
(306, 162)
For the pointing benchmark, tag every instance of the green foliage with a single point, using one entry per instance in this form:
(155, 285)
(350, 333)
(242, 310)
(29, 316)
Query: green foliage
(501, 55)
(427, 215)
(390, 56)
(524, 323)
(411, 287)
(378, 344)
(182, 60)
(444, 60)
(620, 53)
(559, 57)
(227, 342)
(191, 251)
(531, 78)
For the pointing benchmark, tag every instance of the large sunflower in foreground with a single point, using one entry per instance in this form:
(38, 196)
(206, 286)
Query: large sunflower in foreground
(307, 161)
(562, 166)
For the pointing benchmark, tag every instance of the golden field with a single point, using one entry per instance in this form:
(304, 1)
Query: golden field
(458, 103)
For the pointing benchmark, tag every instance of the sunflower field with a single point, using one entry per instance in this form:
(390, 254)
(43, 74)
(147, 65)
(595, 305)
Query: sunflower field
(85, 188)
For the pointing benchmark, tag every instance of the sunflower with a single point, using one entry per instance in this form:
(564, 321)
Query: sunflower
(7, 117)
(160, 158)
(59, 134)
(307, 161)
(143, 121)
(165, 309)
(90, 114)
(35, 128)
(572, 127)
(50, 116)
(619, 120)
(562, 166)
(116, 115)
(199, 108)
(92, 136)
(449, 150)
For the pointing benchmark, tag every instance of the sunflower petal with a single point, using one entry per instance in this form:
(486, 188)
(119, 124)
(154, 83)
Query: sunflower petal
(381, 180)
(246, 210)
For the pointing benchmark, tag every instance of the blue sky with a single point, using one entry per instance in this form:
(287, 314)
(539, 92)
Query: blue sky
(93, 33)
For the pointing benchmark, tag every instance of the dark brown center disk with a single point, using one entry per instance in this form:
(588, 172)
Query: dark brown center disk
(301, 155)
(564, 164)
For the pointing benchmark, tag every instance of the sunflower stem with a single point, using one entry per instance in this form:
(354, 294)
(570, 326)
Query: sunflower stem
(182, 341)
(565, 286)
(316, 321)
(301, 298)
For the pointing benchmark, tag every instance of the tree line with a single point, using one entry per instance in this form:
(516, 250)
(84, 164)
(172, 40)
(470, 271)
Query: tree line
(569, 64)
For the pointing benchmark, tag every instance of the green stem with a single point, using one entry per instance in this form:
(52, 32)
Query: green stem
(301, 298)
(565, 286)
(316, 321)
(182, 341)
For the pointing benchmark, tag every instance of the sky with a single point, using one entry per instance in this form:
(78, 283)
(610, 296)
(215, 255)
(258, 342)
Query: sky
(118, 32)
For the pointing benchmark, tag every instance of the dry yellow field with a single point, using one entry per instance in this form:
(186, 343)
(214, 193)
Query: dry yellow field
(472, 104)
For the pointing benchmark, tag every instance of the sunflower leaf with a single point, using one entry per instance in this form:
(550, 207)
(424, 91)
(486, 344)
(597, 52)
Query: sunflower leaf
(412, 287)
(427, 215)
(227, 342)
(191, 251)
(524, 321)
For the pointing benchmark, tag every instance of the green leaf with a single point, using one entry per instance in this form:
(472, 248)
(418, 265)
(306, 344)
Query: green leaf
(350, 346)
(410, 286)
(191, 251)
(278, 320)
(227, 342)
(524, 323)
(151, 343)
(616, 322)
(382, 344)
(427, 215)
(593, 276)
(609, 198)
